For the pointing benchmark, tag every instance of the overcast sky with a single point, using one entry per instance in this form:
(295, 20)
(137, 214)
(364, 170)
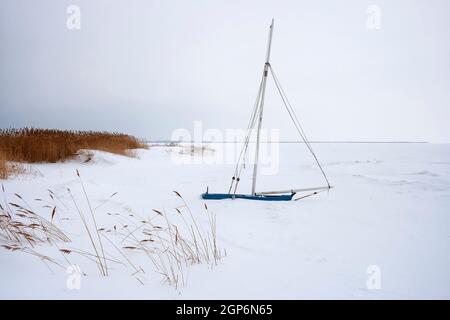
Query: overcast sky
(149, 67)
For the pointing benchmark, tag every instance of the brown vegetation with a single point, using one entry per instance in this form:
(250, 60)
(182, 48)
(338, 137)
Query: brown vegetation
(32, 145)
(3, 168)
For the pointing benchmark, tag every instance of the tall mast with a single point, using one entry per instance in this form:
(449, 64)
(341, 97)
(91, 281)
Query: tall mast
(261, 106)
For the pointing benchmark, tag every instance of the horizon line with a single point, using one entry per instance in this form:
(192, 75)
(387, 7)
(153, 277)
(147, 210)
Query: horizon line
(283, 141)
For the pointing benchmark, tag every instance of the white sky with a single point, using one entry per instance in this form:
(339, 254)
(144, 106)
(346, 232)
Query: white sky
(150, 67)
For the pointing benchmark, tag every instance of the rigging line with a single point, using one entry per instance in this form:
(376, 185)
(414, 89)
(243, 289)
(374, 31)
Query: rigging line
(250, 126)
(297, 125)
(309, 195)
(289, 104)
(248, 134)
(303, 134)
(236, 185)
(251, 123)
(240, 166)
(244, 153)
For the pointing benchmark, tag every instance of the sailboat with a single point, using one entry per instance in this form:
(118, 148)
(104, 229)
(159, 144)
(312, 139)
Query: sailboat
(256, 120)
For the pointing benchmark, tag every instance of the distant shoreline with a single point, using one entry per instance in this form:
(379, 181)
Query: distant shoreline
(343, 142)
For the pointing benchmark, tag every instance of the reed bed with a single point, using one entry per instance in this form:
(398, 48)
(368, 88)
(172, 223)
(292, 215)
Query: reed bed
(31, 145)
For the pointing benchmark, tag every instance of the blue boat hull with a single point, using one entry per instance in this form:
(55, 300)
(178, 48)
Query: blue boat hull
(221, 196)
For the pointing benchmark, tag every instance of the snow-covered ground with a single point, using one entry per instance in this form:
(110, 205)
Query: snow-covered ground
(389, 209)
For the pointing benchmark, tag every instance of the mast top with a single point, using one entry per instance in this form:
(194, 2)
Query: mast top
(269, 43)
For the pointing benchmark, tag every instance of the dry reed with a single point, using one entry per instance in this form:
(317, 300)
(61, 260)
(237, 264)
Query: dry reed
(171, 240)
(173, 246)
(31, 145)
(22, 229)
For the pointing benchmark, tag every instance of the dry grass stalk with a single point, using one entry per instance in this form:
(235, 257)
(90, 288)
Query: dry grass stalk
(172, 241)
(173, 247)
(22, 229)
(97, 230)
(100, 263)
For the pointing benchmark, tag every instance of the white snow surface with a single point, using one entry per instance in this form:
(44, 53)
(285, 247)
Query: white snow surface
(389, 208)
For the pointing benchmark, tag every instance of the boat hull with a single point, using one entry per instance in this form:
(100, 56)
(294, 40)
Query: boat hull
(221, 196)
